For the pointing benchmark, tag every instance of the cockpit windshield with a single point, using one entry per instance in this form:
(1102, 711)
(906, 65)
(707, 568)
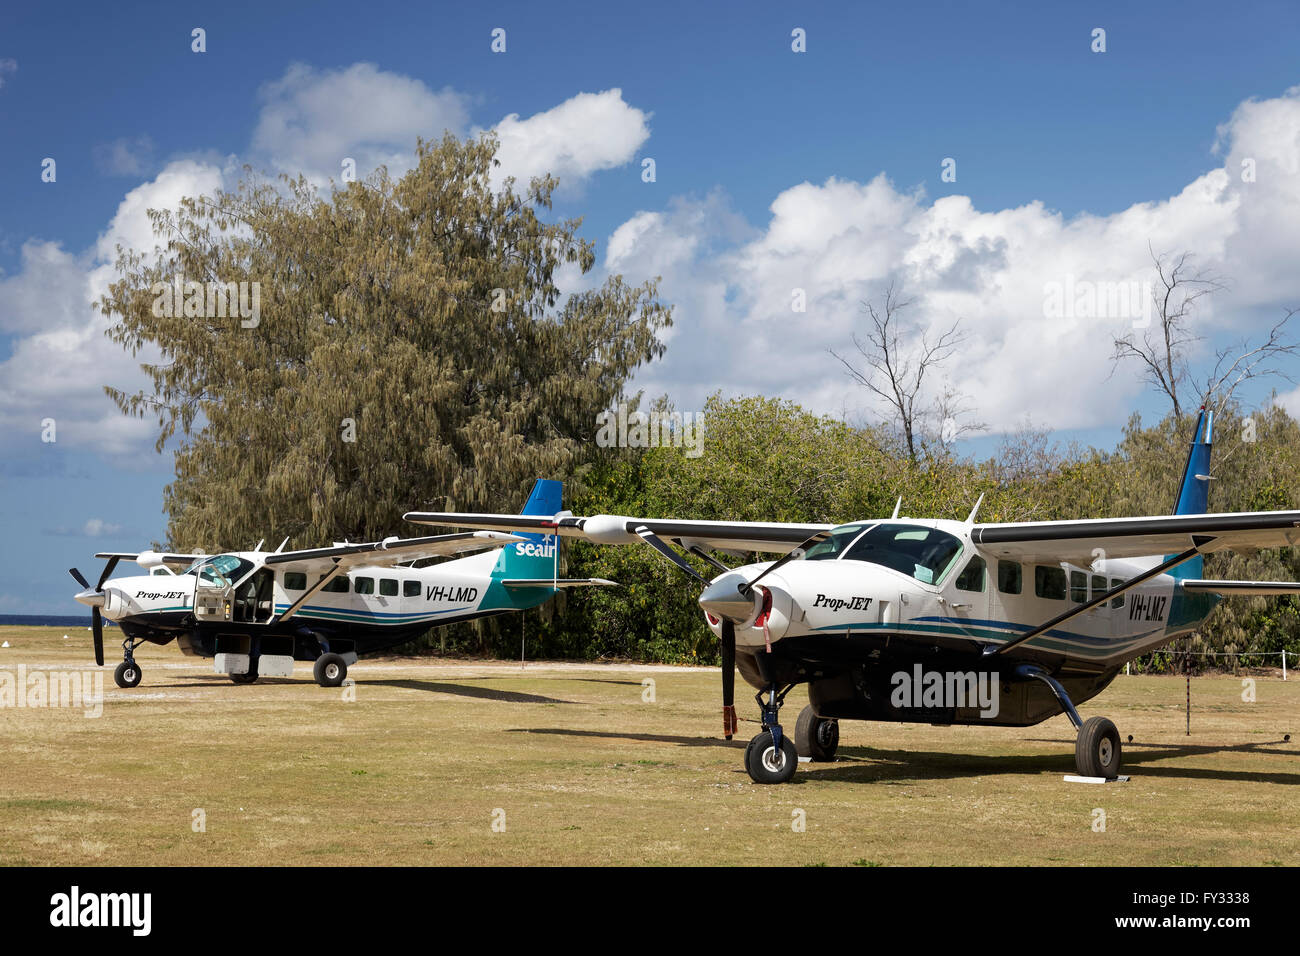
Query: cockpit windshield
(926, 554)
(222, 570)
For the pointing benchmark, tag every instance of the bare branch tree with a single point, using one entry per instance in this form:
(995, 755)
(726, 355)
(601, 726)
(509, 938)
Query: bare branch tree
(1232, 370)
(1162, 350)
(950, 422)
(895, 371)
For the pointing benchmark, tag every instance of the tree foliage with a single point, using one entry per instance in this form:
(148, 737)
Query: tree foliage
(412, 350)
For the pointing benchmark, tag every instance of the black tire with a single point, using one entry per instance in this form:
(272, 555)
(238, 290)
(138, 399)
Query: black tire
(249, 678)
(330, 670)
(816, 737)
(1097, 749)
(765, 765)
(128, 674)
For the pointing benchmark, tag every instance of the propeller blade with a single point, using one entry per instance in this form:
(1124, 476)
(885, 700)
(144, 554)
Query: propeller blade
(97, 626)
(818, 538)
(658, 544)
(728, 679)
(108, 569)
(80, 578)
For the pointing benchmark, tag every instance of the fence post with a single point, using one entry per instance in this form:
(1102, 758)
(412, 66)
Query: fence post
(1284, 663)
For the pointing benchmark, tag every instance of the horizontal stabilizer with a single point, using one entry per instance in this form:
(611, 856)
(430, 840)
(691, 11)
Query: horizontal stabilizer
(1227, 588)
(561, 583)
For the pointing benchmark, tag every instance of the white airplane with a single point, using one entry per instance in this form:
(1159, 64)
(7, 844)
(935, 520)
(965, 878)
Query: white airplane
(943, 622)
(256, 612)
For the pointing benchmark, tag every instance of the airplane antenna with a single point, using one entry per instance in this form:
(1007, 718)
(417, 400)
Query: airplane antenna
(970, 519)
(897, 506)
(282, 544)
(259, 544)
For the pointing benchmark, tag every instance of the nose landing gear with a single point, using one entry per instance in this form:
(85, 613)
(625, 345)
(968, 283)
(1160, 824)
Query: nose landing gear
(128, 672)
(771, 756)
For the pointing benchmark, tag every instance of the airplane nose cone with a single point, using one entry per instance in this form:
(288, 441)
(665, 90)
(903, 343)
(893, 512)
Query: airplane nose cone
(724, 598)
(90, 597)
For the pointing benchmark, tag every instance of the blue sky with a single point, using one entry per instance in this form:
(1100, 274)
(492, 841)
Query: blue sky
(1063, 155)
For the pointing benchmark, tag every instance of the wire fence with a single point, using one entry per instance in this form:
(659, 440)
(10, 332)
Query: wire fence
(1186, 657)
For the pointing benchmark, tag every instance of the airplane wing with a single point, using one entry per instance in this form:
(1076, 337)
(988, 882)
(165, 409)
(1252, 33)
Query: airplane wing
(770, 536)
(1249, 588)
(152, 559)
(1051, 542)
(560, 583)
(392, 550)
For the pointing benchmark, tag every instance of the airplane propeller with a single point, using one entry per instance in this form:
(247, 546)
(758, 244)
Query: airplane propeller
(95, 598)
(730, 599)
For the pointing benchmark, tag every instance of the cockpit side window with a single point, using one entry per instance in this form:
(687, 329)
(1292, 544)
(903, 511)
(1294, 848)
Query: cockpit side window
(836, 544)
(972, 576)
(222, 570)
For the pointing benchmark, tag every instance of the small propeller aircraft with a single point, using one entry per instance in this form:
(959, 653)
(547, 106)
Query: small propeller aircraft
(256, 612)
(940, 621)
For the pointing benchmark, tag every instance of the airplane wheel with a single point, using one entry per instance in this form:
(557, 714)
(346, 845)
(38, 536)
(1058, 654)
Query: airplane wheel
(249, 678)
(816, 737)
(765, 764)
(329, 670)
(1097, 749)
(128, 674)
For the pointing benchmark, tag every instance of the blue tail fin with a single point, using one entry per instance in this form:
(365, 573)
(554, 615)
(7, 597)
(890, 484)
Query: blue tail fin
(535, 557)
(545, 499)
(1194, 492)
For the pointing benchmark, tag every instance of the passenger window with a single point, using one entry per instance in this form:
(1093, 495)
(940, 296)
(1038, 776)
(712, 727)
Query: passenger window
(1009, 577)
(1117, 601)
(972, 576)
(388, 587)
(410, 588)
(1078, 587)
(1049, 583)
(295, 581)
(338, 585)
(1098, 586)
(364, 585)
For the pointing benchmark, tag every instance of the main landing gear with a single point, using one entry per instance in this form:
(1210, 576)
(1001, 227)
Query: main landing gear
(330, 670)
(1097, 747)
(128, 672)
(816, 737)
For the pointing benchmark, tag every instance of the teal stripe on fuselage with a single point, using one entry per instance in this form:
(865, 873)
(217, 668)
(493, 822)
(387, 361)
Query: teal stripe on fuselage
(371, 617)
(1046, 642)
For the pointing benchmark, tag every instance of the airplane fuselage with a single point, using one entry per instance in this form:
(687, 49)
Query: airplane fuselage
(856, 625)
(362, 611)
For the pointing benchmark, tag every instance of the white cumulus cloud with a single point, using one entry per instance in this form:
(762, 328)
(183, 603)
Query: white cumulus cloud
(586, 133)
(839, 242)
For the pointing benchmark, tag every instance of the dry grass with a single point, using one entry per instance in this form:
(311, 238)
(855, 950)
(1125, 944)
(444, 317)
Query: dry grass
(586, 773)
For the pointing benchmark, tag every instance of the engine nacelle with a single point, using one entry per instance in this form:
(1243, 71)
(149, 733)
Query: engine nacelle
(609, 529)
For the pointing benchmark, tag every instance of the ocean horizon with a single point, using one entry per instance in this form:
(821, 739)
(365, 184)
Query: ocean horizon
(47, 620)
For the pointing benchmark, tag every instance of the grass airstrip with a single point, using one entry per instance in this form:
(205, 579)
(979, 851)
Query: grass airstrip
(430, 761)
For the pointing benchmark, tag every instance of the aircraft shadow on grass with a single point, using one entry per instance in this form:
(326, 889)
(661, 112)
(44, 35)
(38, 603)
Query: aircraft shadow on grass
(468, 690)
(645, 738)
(877, 765)
(436, 687)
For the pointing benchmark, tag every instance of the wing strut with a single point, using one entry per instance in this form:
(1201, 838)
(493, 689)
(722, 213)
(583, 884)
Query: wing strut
(1198, 543)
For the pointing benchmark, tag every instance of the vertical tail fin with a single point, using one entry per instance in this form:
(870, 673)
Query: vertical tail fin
(536, 557)
(1194, 491)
